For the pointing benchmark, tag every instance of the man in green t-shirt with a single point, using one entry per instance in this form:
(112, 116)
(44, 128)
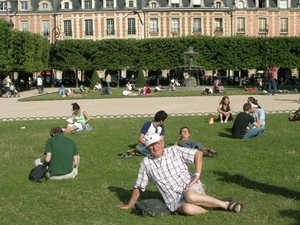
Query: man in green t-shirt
(61, 156)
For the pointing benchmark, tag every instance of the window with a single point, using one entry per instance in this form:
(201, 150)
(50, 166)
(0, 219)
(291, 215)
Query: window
(130, 4)
(68, 28)
(88, 27)
(67, 5)
(153, 25)
(218, 25)
(110, 27)
(240, 25)
(240, 5)
(263, 27)
(3, 6)
(24, 26)
(110, 4)
(45, 28)
(24, 6)
(197, 3)
(283, 4)
(218, 4)
(261, 4)
(87, 4)
(45, 6)
(153, 5)
(131, 26)
(284, 26)
(197, 25)
(175, 28)
(175, 5)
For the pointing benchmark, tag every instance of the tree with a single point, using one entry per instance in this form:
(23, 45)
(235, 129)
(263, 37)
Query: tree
(140, 79)
(95, 79)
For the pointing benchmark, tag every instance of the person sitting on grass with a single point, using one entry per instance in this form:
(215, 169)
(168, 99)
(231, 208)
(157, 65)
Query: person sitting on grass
(97, 87)
(185, 141)
(158, 89)
(130, 86)
(181, 190)
(240, 128)
(61, 156)
(81, 119)
(62, 91)
(225, 110)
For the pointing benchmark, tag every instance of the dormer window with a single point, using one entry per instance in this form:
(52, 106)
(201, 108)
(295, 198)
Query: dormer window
(153, 5)
(175, 3)
(130, 4)
(218, 4)
(109, 4)
(45, 6)
(197, 3)
(3, 6)
(88, 4)
(24, 6)
(66, 4)
(240, 5)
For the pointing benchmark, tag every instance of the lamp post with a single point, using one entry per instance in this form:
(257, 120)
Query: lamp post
(142, 23)
(266, 52)
(54, 41)
(11, 11)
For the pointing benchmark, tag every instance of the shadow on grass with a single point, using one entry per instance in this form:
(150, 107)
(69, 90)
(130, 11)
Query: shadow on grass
(265, 188)
(124, 195)
(227, 135)
(292, 214)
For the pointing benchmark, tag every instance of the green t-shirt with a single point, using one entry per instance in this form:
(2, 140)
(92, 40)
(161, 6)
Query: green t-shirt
(62, 151)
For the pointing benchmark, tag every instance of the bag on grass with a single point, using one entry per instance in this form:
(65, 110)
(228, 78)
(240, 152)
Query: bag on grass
(38, 173)
(151, 208)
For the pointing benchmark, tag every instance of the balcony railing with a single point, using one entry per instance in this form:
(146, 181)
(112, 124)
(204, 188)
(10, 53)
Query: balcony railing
(284, 31)
(154, 30)
(240, 30)
(131, 31)
(219, 29)
(110, 32)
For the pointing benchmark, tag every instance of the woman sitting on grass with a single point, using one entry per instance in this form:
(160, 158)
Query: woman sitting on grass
(224, 109)
(80, 118)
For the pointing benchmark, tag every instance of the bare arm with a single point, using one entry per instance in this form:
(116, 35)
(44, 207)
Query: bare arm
(47, 158)
(87, 117)
(141, 139)
(75, 160)
(219, 108)
(133, 199)
(198, 158)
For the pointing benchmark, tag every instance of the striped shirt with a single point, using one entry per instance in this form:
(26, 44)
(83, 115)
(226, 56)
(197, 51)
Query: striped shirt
(169, 173)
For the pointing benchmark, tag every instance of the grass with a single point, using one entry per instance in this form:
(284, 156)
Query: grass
(263, 173)
(181, 91)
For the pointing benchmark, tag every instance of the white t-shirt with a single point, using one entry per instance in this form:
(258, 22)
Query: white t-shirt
(126, 93)
(129, 87)
(39, 81)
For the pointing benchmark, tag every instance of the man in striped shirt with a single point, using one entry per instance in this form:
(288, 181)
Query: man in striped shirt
(181, 190)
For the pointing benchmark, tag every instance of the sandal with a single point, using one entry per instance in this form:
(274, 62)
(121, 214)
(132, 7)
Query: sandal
(133, 152)
(210, 153)
(235, 207)
(126, 156)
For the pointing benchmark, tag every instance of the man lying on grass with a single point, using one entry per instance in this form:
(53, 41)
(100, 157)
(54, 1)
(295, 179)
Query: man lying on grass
(181, 190)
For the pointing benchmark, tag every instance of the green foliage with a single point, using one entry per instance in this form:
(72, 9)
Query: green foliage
(262, 173)
(95, 79)
(140, 79)
(5, 47)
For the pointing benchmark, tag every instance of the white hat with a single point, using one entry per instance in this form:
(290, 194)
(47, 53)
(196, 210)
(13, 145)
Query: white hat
(150, 139)
(254, 106)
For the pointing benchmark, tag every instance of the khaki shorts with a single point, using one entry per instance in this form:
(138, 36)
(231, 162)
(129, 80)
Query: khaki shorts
(198, 187)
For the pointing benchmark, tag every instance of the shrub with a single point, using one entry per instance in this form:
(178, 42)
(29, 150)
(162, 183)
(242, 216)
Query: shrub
(140, 80)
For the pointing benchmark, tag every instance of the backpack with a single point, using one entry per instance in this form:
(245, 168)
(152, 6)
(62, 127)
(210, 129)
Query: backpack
(151, 208)
(148, 91)
(38, 173)
(4, 82)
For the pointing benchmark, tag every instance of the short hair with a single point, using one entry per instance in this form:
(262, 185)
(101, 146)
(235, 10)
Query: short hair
(56, 130)
(160, 115)
(185, 127)
(247, 106)
(75, 106)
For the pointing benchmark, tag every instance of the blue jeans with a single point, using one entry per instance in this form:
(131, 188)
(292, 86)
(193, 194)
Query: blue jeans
(270, 84)
(142, 149)
(253, 132)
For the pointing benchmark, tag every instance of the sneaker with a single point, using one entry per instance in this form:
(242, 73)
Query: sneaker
(210, 153)
(221, 121)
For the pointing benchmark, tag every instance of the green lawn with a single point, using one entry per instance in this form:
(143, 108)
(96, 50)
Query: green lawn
(263, 173)
(181, 91)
